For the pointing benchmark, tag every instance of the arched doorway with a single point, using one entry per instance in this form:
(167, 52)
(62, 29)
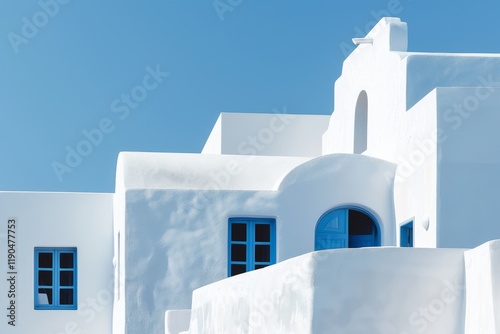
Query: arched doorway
(347, 227)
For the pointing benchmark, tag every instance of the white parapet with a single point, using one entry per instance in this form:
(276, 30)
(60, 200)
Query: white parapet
(369, 290)
(274, 134)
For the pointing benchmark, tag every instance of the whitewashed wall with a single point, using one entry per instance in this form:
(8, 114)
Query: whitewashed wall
(482, 266)
(348, 291)
(444, 153)
(76, 220)
(274, 134)
(427, 71)
(119, 253)
(326, 183)
(176, 239)
(380, 73)
(415, 191)
(468, 167)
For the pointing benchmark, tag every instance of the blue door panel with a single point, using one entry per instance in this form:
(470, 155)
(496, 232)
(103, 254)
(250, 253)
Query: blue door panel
(356, 241)
(334, 222)
(331, 231)
(329, 243)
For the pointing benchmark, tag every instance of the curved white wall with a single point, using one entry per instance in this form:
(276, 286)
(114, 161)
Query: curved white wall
(334, 181)
(176, 239)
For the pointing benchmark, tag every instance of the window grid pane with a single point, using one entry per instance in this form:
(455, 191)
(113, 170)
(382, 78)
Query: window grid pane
(239, 232)
(45, 278)
(262, 232)
(66, 260)
(238, 252)
(66, 278)
(44, 296)
(45, 260)
(66, 297)
(259, 266)
(262, 253)
(237, 269)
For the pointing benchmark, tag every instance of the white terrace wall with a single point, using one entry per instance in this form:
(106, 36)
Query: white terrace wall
(176, 239)
(80, 220)
(348, 291)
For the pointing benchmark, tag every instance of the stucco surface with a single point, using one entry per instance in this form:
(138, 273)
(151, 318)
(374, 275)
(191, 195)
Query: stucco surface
(81, 220)
(340, 291)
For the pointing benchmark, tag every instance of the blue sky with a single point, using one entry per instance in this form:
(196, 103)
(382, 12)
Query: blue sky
(154, 75)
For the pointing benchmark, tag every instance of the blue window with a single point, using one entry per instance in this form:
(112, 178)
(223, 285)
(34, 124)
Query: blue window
(55, 279)
(252, 244)
(406, 234)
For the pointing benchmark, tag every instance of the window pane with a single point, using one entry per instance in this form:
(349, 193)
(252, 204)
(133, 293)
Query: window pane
(263, 232)
(66, 260)
(238, 232)
(45, 277)
(262, 253)
(238, 269)
(44, 260)
(66, 278)
(238, 253)
(259, 266)
(44, 296)
(66, 297)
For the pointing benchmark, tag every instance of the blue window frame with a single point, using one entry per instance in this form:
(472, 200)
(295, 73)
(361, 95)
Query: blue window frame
(55, 278)
(252, 244)
(406, 234)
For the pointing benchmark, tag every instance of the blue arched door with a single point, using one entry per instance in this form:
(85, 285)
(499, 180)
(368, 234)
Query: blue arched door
(346, 228)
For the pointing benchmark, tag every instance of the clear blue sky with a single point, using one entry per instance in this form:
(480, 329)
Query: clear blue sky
(68, 66)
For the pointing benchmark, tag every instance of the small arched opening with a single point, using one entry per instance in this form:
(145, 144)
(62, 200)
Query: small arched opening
(361, 124)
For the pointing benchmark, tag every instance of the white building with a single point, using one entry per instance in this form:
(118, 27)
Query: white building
(407, 159)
